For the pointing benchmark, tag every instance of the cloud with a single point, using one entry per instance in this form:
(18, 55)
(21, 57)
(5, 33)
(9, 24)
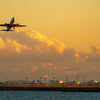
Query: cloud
(46, 45)
(34, 68)
(12, 45)
(30, 51)
(15, 70)
(77, 57)
(2, 43)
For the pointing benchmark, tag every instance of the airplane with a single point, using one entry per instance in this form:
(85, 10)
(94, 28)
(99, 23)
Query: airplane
(11, 25)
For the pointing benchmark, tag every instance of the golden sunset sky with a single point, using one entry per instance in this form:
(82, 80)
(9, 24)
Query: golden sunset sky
(76, 22)
(62, 36)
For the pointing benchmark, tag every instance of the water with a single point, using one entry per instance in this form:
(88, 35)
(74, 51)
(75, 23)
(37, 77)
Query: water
(48, 95)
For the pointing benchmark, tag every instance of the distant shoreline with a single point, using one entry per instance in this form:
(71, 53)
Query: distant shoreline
(68, 88)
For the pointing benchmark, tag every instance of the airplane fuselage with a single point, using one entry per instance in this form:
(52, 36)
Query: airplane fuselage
(12, 21)
(10, 24)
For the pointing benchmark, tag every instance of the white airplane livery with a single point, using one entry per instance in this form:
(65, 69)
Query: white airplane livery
(11, 25)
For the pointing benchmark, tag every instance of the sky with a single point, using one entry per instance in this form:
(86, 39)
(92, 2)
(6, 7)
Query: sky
(61, 37)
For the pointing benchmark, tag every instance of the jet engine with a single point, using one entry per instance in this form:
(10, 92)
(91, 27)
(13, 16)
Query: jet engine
(6, 24)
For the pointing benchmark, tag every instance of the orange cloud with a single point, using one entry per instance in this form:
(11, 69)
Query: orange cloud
(34, 68)
(12, 45)
(21, 50)
(77, 57)
(2, 43)
(46, 45)
(15, 70)
(50, 64)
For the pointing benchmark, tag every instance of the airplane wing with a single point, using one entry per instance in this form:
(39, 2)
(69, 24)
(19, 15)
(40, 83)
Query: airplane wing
(17, 25)
(2, 24)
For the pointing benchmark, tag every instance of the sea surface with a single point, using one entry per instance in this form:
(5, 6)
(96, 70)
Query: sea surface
(47, 95)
